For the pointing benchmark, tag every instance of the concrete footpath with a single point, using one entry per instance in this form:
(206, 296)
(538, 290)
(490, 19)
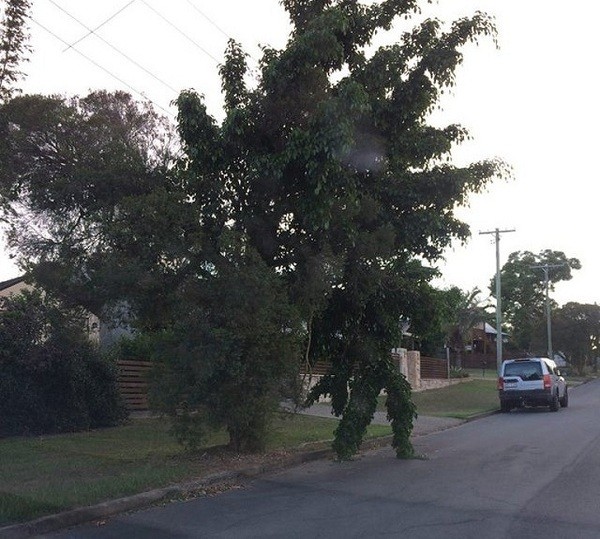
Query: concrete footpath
(424, 425)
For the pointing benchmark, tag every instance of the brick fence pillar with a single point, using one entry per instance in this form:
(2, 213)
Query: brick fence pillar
(414, 369)
(400, 360)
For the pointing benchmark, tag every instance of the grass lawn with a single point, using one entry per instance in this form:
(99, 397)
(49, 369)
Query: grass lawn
(466, 399)
(50, 474)
(462, 400)
(486, 374)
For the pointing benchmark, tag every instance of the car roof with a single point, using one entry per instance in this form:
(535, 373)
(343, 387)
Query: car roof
(528, 359)
(545, 360)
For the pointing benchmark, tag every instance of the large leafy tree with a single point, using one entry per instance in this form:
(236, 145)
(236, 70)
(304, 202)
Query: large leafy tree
(325, 182)
(85, 190)
(13, 44)
(100, 215)
(523, 290)
(329, 169)
(576, 333)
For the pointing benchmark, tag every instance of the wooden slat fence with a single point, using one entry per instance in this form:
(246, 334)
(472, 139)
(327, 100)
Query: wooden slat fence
(433, 368)
(475, 360)
(318, 369)
(132, 379)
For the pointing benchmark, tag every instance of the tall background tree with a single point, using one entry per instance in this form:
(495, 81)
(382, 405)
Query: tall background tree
(325, 182)
(576, 333)
(13, 45)
(85, 191)
(523, 291)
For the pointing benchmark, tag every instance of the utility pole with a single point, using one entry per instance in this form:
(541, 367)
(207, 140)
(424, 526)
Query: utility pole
(497, 233)
(546, 267)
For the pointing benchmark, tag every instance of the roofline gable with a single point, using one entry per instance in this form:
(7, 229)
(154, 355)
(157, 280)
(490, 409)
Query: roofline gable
(11, 282)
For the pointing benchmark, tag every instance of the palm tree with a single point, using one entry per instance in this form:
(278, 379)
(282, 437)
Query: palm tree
(468, 311)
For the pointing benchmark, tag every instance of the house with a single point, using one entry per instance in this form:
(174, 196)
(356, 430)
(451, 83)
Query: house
(19, 284)
(13, 286)
(483, 338)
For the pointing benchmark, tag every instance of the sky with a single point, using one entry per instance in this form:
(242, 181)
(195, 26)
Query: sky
(531, 101)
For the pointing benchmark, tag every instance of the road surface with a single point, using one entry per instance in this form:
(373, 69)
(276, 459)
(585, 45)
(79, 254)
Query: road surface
(527, 474)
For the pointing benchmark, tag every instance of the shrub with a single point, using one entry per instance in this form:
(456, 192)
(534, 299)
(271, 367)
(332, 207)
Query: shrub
(229, 356)
(458, 372)
(53, 377)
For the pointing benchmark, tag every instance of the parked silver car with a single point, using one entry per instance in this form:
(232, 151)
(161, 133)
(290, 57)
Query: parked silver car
(532, 381)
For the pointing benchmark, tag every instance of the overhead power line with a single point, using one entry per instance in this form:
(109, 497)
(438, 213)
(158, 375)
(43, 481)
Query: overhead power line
(99, 26)
(215, 25)
(147, 71)
(209, 19)
(141, 94)
(176, 28)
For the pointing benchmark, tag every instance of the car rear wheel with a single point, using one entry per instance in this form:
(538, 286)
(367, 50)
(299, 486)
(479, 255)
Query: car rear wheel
(564, 402)
(554, 403)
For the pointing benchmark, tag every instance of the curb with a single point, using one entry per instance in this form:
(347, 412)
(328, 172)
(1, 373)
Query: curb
(82, 515)
(481, 416)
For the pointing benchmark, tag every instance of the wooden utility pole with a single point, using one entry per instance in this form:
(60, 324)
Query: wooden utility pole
(545, 268)
(497, 233)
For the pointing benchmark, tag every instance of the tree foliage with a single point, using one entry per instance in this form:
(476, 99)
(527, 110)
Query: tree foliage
(13, 45)
(324, 184)
(329, 169)
(85, 191)
(99, 213)
(523, 290)
(467, 311)
(576, 333)
(227, 358)
(444, 317)
(53, 377)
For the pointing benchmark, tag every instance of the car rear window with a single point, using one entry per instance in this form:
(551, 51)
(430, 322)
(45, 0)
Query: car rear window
(526, 370)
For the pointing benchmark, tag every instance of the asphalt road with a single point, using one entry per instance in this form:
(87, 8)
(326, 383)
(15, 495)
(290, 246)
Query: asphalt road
(527, 474)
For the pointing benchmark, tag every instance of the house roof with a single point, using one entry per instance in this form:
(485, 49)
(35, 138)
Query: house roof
(11, 282)
(489, 329)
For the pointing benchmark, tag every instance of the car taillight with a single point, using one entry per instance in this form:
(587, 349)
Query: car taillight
(500, 383)
(547, 381)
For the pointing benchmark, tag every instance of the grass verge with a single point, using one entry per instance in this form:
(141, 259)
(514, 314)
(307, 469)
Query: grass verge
(50, 474)
(462, 401)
